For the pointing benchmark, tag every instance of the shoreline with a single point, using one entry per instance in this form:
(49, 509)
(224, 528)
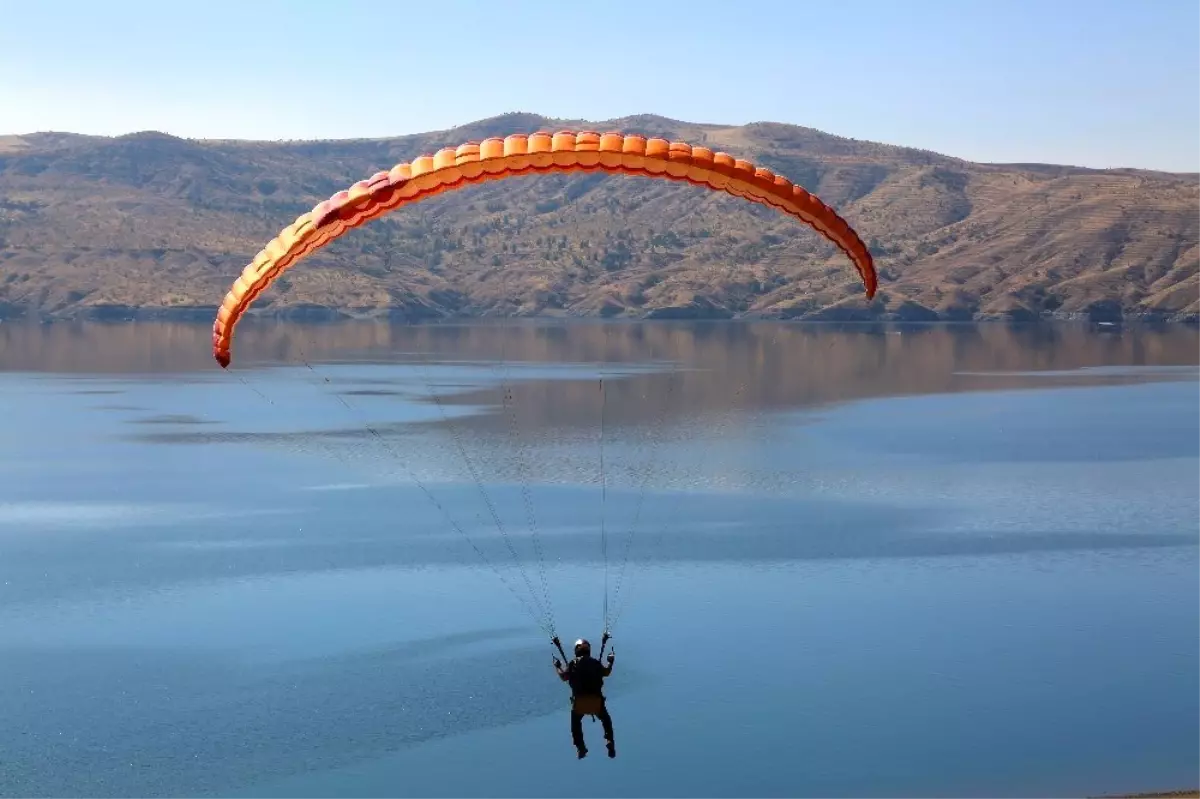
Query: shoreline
(313, 314)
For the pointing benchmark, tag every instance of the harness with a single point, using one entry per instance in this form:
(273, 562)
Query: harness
(586, 704)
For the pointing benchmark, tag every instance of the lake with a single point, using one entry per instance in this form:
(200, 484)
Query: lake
(836, 560)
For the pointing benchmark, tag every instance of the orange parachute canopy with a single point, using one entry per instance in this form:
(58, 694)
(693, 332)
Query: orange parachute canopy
(519, 154)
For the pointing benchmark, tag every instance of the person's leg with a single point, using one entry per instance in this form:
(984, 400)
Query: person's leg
(577, 733)
(606, 722)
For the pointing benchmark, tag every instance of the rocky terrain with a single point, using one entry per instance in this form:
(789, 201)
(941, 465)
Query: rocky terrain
(152, 225)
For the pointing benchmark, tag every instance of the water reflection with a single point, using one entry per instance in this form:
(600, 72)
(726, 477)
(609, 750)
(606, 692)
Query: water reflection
(684, 406)
(701, 367)
(180, 620)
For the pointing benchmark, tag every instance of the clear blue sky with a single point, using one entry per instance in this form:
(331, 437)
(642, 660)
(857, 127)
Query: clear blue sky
(1102, 83)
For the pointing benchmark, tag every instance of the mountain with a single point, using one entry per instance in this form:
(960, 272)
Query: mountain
(150, 224)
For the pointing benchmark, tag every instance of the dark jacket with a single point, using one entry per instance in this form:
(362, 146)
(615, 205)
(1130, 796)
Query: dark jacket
(586, 676)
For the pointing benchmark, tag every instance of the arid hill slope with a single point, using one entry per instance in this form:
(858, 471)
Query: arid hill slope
(149, 224)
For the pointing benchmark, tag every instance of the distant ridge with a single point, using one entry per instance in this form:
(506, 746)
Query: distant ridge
(150, 224)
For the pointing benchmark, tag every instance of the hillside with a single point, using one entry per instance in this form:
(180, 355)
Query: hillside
(150, 224)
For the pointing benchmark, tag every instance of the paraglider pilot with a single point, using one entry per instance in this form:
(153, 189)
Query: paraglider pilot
(585, 674)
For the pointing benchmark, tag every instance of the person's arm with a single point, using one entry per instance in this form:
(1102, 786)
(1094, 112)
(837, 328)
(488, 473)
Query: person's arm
(562, 673)
(608, 668)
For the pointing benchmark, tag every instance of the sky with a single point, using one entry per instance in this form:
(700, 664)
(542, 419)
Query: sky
(1107, 83)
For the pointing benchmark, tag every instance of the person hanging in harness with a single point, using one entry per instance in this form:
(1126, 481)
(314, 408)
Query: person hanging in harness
(585, 674)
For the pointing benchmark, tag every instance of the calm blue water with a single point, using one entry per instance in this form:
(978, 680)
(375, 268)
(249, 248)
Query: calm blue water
(935, 562)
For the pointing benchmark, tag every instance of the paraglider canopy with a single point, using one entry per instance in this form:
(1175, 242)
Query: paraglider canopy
(518, 154)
